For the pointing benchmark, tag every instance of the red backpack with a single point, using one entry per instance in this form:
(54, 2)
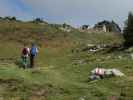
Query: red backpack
(24, 51)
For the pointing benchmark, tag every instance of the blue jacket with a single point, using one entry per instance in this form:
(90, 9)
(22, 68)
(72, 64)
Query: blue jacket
(33, 51)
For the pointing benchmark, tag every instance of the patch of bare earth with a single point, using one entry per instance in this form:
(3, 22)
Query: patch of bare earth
(39, 95)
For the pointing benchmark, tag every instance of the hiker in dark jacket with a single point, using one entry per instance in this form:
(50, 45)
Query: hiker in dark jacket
(24, 56)
(33, 53)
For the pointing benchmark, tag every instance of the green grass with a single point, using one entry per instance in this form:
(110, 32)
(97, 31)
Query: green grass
(55, 77)
(58, 74)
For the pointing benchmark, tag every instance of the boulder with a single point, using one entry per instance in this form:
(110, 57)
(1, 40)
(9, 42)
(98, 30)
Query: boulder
(100, 73)
(116, 72)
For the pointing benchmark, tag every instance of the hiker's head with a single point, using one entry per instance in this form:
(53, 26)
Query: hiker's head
(33, 44)
(25, 44)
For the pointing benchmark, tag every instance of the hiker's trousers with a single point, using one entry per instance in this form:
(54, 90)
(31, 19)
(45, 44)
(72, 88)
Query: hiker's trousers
(32, 61)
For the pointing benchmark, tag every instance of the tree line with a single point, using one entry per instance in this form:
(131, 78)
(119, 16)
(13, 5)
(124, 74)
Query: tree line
(10, 18)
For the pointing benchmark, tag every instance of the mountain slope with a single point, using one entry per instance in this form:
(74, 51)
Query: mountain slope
(59, 73)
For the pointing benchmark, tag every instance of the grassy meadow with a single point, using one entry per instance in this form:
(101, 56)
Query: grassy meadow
(62, 68)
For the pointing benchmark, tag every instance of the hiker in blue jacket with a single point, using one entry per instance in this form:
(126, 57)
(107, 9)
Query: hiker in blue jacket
(33, 53)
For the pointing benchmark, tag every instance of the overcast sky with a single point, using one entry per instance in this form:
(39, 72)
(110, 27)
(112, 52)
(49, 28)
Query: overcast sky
(74, 12)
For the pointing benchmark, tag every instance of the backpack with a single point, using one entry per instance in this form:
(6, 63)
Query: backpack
(24, 51)
(33, 51)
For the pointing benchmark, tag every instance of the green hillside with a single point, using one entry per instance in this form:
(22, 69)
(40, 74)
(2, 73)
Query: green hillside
(62, 67)
(42, 32)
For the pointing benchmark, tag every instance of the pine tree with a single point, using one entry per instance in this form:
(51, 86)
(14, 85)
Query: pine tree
(128, 31)
(38, 20)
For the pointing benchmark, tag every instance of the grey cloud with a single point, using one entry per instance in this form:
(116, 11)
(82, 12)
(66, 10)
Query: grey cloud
(8, 9)
(74, 11)
(82, 11)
